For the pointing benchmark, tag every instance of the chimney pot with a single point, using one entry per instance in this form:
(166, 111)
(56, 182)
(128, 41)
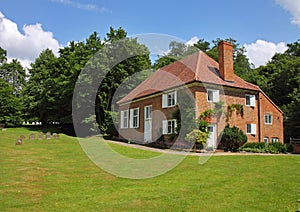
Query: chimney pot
(225, 50)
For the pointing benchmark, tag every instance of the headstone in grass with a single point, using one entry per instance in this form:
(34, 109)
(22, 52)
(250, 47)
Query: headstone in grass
(40, 136)
(48, 135)
(31, 136)
(55, 136)
(19, 141)
(23, 137)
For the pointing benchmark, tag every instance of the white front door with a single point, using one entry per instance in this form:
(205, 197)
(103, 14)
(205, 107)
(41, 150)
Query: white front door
(148, 124)
(212, 137)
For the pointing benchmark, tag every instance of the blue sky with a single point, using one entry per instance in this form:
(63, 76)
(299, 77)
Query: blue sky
(262, 26)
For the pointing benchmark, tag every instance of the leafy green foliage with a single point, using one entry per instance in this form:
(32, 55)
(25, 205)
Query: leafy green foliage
(232, 138)
(42, 91)
(49, 91)
(184, 114)
(12, 80)
(260, 147)
(234, 107)
(3, 54)
(10, 105)
(197, 136)
(216, 112)
(202, 125)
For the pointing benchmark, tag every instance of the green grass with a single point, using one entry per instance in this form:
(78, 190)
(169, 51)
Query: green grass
(56, 175)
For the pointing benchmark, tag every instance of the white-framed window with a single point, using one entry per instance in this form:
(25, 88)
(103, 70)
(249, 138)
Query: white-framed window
(250, 100)
(169, 126)
(251, 129)
(213, 95)
(266, 139)
(275, 140)
(148, 112)
(169, 99)
(134, 117)
(268, 119)
(124, 119)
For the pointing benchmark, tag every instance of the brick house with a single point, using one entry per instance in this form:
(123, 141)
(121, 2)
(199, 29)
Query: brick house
(145, 114)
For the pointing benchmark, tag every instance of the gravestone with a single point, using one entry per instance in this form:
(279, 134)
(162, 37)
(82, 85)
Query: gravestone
(22, 137)
(55, 136)
(48, 135)
(19, 141)
(40, 136)
(31, 136)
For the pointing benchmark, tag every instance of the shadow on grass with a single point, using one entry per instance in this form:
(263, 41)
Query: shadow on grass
(68, 130)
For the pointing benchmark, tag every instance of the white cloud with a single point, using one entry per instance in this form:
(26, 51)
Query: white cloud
(192, 41)
(260, 52)
(25, 47)
(293, 7)
(90, 7)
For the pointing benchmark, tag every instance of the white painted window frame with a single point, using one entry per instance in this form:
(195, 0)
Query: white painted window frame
(215, 95)
(252, 129)
(133, 117)
(166, 124)
(165, 99)
(124, 119)
(252, 100)
(268, 119)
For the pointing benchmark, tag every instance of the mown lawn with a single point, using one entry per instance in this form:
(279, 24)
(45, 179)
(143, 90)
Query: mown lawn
(56, 175)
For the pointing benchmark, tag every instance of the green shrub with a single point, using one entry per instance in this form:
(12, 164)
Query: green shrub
(260, 147)
(202, 125)
(232, 138)
(278, 147)
(197, 136)
(289, 147)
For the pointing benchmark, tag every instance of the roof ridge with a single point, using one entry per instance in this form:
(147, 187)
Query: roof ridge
(248, 82)
(198, 65)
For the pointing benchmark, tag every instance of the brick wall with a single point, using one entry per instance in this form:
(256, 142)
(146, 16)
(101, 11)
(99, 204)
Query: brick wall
(158, 114)
(229, 96)
(274, 130)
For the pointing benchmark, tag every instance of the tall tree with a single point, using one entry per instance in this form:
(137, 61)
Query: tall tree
(131, 58)
(49, 92)
(14, 74)
(10, 105)
(41, 88)
(3, 55)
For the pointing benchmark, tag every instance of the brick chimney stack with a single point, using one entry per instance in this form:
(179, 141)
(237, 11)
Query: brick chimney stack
(226, 60)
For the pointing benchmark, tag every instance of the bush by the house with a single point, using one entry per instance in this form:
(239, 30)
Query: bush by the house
(260, 147)
(197, 136)
(232, 138)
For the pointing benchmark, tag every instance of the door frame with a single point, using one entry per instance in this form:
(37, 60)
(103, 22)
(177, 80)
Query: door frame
(212, 137)
(147, 122)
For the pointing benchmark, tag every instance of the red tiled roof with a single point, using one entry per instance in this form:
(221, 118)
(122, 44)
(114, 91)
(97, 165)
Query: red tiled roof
(197, 67)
